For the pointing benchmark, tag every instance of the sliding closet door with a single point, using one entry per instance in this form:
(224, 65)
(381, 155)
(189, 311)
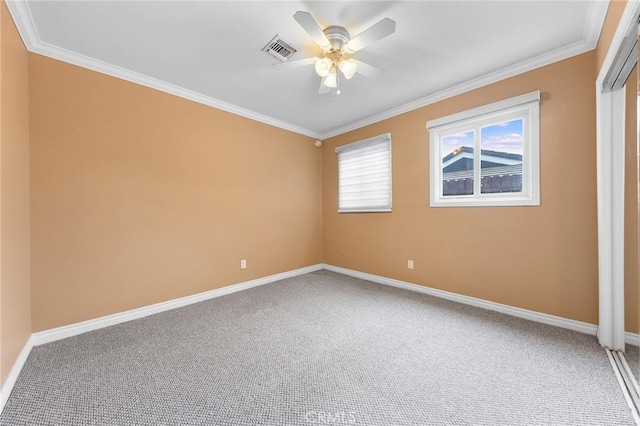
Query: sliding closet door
(611, 112)
(631, 283)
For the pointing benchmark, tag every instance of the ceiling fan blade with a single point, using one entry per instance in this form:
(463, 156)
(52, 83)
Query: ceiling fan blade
(368, 70)
(294, 64)
(323, 89)
(312, 28)
(372, 34)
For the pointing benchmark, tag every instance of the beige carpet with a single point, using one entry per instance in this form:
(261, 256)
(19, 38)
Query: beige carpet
(321, 348)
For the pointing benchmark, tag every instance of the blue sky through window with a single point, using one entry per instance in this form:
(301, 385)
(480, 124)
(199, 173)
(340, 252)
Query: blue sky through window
(503, 137)
(453, 142)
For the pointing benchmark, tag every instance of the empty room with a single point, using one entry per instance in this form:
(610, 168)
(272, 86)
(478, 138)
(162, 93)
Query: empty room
(319, 213)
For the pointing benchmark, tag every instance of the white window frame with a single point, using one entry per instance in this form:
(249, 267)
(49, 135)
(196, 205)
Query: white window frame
(525, 106)
(384, 138)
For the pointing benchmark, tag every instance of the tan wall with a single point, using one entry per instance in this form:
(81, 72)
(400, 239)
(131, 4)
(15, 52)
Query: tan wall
(540, 258)
(631, 294)
(614, 13)
(15, 310)
(140, 197)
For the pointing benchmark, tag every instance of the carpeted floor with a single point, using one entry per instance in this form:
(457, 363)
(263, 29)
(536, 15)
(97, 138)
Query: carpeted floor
(321, 348)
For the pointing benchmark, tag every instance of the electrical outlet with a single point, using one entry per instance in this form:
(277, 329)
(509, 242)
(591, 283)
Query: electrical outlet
(243, 264)
(410, 264)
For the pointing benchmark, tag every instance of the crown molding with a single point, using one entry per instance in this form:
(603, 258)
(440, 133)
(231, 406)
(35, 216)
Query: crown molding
(26, 27)
(73, 58)
(22, 16)
(595, 20)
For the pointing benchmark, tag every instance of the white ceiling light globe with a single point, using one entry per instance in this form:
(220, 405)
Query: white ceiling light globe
(323, 66)
(348, 68)
(331, 79)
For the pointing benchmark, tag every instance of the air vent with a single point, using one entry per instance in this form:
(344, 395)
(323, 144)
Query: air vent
(279, 49)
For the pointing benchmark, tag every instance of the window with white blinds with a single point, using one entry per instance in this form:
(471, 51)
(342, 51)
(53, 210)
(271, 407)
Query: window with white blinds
(364, 175)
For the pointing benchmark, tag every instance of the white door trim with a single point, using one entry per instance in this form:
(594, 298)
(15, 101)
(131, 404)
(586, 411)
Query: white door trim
(610, 113)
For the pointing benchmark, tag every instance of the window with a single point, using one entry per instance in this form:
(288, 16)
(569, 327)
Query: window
(487, 156)
(364, 175)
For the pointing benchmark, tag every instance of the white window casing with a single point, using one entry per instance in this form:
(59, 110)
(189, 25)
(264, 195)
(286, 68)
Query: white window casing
(364, 175)
(525, 107)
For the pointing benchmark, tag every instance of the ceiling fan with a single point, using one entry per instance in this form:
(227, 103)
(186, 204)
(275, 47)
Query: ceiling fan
(337, 46)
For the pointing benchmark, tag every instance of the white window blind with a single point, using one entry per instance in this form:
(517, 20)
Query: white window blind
(364, 175)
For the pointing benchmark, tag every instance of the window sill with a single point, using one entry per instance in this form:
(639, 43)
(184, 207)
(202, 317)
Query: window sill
(366, 211)
(486, 202)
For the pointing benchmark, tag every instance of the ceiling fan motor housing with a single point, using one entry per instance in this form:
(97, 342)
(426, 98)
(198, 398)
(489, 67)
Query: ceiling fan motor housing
(338, 36)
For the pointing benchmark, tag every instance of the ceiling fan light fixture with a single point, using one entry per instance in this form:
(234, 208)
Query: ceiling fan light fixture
(336, 43)
(331, 79)
(323, 66)
(348, 68)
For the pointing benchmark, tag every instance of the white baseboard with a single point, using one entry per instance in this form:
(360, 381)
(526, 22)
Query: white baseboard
(632, 338)
(63, 332)
(561, 322)
(58, 333)
(10, 381)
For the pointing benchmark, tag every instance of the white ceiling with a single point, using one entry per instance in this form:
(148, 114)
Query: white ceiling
(211, 51)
